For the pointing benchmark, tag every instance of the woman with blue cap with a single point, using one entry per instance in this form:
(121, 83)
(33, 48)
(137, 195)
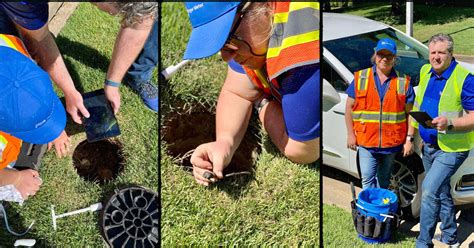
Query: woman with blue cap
(272, 50)
(378, 102)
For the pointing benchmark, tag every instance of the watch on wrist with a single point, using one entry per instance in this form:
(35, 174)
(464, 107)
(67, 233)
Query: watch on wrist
(410, 138)
(450, 124)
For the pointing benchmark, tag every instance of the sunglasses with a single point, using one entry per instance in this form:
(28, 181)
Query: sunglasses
(388, 56)
(238, 41)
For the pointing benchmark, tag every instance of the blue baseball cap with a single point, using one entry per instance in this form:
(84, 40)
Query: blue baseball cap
(211, 22)
(29, 108)
(386, 44)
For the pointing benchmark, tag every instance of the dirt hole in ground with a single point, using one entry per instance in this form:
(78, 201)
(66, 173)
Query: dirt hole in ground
(99, 161)
(186, 131)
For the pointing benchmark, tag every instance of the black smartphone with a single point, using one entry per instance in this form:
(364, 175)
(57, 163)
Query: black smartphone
(102, 123)
(423, 118)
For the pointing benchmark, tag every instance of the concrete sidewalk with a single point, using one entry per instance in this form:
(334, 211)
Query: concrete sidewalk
(59, 13)
(338, 193)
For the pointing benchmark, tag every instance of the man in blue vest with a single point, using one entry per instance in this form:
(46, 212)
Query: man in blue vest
(446, 93)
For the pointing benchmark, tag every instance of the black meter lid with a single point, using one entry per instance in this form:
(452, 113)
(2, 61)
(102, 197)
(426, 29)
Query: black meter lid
(130, 218)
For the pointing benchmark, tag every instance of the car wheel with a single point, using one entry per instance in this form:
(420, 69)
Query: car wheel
(468, 215)
(407, 176)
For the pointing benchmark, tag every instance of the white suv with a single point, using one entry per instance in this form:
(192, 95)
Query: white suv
(348, 44)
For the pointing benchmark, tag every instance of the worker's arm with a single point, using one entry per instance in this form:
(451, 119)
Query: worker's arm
(466, 122)
(128, 45)
(43, 48)
(234, 108)
(27, 182)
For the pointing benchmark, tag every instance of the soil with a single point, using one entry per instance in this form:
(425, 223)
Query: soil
(184, 132)
(99, 161)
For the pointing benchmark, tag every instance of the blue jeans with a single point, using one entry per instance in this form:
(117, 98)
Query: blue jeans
(436, 195)
(141, 70)
(376, 168)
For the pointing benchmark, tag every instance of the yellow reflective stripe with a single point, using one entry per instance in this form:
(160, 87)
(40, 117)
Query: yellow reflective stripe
(373, 116)
(378, 112)
(293, 40)
(7, 41)
(367, 75)
(363, 79)
(3, 145)
(360, 79)
(302, 5)
(283, 17)
(280, 17)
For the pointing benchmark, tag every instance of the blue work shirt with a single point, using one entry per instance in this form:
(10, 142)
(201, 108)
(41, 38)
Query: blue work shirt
(29, 15)
(382, 90)
(432, 96)
(300, 90)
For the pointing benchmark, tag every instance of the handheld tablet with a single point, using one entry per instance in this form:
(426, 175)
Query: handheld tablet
(422, 117)
(102, 123)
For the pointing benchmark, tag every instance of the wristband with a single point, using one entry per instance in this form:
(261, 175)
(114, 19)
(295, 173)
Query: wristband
(111, 83)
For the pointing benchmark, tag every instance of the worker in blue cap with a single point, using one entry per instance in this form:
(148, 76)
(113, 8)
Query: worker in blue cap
(379, 100)
(273, 66)
(30, 113)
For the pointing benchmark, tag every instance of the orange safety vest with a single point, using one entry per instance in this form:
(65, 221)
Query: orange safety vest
(379, 125)
(294, 43)
(9, 149)
(10, 146)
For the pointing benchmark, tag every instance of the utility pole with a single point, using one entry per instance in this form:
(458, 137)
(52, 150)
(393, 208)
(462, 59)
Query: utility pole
(409, 18)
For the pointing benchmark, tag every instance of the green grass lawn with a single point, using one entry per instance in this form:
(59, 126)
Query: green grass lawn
(427, 21)
(278, 204)
(338, 231)
(86, 43)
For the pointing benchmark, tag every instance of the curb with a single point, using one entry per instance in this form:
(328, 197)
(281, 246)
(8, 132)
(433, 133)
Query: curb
(59, 13)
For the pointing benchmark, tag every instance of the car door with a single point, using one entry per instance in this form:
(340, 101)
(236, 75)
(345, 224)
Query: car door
(335, 152)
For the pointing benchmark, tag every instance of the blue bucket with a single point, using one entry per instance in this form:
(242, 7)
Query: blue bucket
(378, 203)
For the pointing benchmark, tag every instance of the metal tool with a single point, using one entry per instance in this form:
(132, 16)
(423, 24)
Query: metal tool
(211, 176)
(91, 208)
(353, 192)
(3, 215)
(168, 72)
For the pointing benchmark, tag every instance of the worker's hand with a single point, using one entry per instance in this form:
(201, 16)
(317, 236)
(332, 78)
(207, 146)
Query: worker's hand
(440, 123)
(27, 182)
(351, 141)
(113, 95)
(62, 145)
(75, 106)
(407, 148)
(210, 157)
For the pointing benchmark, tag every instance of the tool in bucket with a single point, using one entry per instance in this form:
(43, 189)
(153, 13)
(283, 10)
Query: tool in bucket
(374, 214)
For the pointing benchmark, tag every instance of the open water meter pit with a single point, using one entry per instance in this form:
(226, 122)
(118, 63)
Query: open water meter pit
(184, 132)
(99, 161)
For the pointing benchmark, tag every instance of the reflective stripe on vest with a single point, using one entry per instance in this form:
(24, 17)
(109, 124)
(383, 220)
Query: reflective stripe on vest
(374, 116)
(379, 125)
(449, 106)
(11, 149)
(295, 40)
(13, 42)
(294, 43)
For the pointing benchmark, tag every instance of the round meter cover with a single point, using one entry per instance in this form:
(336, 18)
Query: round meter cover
(130, 218)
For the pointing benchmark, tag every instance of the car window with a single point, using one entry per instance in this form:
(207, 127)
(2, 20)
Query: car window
(355, 51)
(332, 76)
